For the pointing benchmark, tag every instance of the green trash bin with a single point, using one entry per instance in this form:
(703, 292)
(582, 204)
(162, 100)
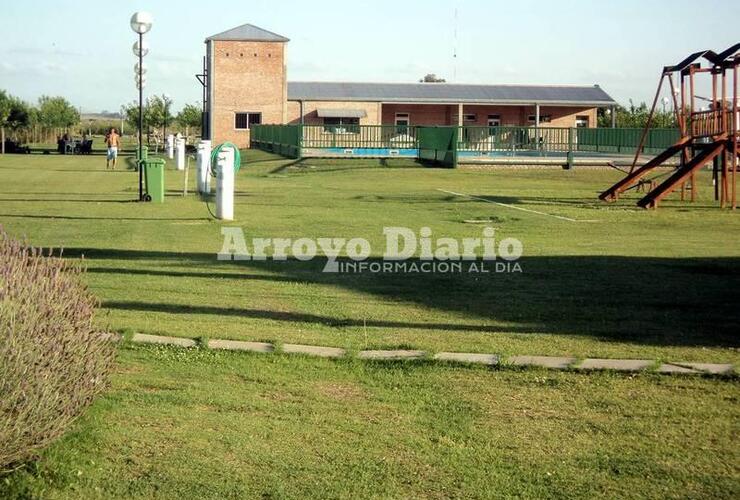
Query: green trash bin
(154, 179)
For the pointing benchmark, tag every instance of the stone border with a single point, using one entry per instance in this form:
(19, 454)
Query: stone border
(549, 362)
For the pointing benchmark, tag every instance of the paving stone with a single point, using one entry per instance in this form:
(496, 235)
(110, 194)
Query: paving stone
(671, 368)
(238, 345)
(556, 362)
(395, 354)
(314, 350)
(713, 368)
(625, 365)
(467, 357)
(143, 338)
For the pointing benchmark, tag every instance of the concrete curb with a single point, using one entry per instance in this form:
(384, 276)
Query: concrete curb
(549, 362)
(313, 350)
(622, 365)
(391, 355)
(143, 338)
(238, 345)
(464, 357)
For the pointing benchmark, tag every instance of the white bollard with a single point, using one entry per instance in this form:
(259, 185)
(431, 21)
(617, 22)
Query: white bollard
(180, 154)
(170, 146)
(225, 184)
(204, 166)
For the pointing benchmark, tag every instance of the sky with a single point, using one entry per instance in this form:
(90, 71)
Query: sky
(82, 50)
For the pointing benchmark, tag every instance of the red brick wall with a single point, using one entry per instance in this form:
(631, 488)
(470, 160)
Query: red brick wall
(247, 77)
(441, 114)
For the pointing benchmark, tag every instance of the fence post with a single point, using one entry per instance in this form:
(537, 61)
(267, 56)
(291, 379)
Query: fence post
(300, 141)
(598, 136)
(570, 148)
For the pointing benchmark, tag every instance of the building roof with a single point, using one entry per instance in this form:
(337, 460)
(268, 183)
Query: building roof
(449, 93)
(248, 33)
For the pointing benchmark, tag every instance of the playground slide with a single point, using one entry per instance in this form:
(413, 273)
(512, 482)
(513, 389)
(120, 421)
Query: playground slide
(612, 193)
(681, 174)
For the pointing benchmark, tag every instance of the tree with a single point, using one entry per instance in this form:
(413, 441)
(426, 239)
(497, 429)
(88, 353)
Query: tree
(57, 112)
(20, 114)
(432, 78)
(157, 112)
(637, 117)
(14, 114)
(4, 115)
(190, 116)
(130, 114)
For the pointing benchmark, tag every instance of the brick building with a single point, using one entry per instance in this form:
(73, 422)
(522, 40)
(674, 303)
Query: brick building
(246, 84)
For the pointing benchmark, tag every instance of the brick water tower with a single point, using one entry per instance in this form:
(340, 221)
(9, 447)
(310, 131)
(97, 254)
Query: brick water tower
(244, 79)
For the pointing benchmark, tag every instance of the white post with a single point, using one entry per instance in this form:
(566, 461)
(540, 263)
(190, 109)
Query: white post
(180, 154)
(171, 147)
(460, 121)
(225, 184)
(204, 166)
(538, 135)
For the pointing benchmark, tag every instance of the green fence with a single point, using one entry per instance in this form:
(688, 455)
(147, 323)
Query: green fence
(515, 139)
(281, 139)
(438, 145)
(446, 145)
(625, 140)
(545, 140)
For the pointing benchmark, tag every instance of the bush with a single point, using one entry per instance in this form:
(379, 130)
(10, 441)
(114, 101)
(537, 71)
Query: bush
(52, 359)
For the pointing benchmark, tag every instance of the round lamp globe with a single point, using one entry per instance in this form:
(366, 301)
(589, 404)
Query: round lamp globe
(141, 22)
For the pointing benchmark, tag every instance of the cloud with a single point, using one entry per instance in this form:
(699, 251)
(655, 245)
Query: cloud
(42, 68)
(45, 51)
(7, 68)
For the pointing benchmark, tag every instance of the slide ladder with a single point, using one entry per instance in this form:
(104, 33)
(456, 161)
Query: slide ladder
(681, 174)
(613, 192)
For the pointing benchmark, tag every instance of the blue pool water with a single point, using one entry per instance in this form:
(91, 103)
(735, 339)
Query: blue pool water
(373, 152)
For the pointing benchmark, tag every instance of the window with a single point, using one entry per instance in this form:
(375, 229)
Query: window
(342, 125)
(581, 121)
(494, 120)
(244, 121)
(543, 118)
(470, 118)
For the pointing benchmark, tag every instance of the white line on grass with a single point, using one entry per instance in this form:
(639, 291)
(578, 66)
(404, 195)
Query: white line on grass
(561, 217)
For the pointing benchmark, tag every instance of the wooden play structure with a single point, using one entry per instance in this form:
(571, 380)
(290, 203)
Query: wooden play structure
(706, 135)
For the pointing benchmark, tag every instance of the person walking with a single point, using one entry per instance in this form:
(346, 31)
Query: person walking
(113, 140)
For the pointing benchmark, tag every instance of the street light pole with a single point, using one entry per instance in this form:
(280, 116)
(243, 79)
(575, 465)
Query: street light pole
(141, 118)
(141, 23)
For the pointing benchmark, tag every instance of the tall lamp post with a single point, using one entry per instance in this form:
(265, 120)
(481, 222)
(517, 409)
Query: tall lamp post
(141, 23)
(166, 101)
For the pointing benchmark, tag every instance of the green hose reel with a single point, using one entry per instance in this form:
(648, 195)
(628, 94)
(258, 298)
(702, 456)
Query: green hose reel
(217, 150)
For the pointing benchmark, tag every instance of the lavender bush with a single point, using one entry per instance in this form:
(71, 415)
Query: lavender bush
(52, 359)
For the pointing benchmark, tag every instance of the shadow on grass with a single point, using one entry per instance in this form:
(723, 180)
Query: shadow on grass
(655, 301)
(64, 200)
(626, 202)
(325, 165)
(117, 218)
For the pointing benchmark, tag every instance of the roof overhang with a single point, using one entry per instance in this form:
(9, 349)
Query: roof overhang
(341, 113)
(447, 102)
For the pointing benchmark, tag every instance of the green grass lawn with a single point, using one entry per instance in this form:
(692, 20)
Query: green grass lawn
(206, 424)
(632, 283)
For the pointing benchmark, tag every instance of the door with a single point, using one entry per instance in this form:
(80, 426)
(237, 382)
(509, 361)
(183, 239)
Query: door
(403, 120)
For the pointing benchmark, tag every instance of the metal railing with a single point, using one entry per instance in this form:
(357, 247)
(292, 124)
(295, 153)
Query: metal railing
(359, 136)
(291, 140)
(513, 139)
